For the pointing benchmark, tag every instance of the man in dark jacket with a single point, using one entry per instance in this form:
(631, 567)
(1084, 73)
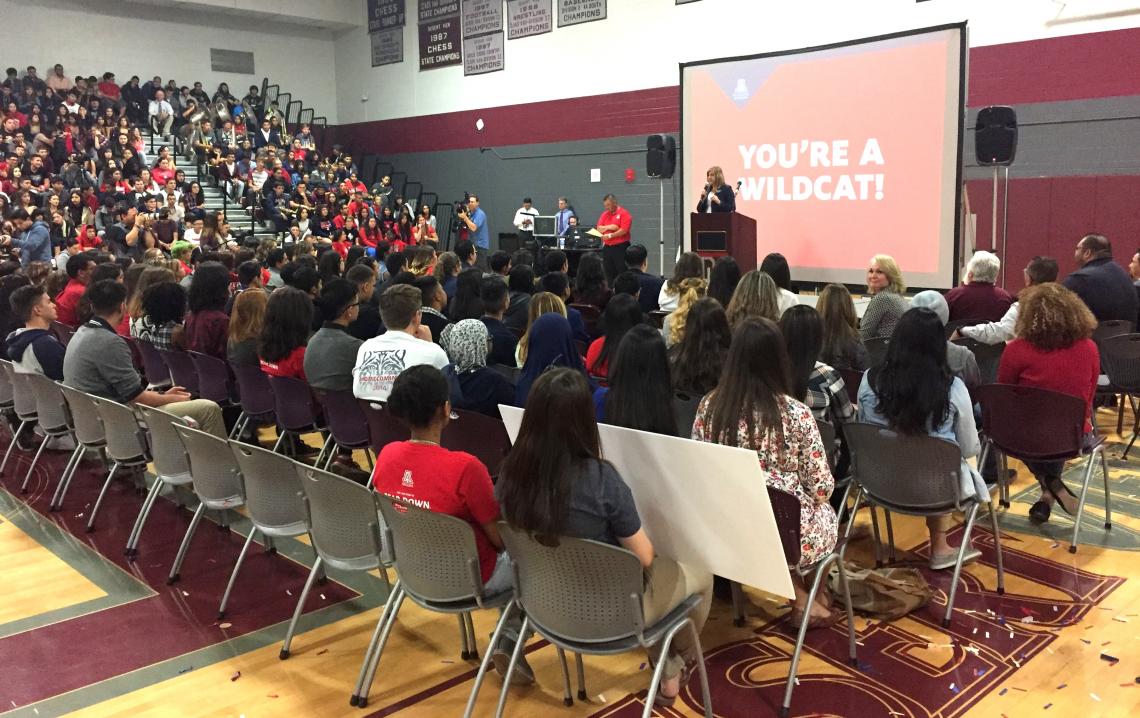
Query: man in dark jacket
(34, 349)
(637, 261)
(1102, 283)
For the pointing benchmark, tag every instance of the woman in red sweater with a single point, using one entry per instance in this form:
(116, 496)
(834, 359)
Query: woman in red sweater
(1053, 351)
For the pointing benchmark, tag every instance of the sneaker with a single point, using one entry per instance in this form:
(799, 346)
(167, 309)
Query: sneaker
(523, 675)
(942, 561)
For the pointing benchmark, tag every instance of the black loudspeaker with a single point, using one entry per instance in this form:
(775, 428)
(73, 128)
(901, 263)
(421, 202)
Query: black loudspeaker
(660, 156)
(995, 136)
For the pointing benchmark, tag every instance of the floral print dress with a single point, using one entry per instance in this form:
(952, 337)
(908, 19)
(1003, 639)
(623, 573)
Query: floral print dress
(798, 465)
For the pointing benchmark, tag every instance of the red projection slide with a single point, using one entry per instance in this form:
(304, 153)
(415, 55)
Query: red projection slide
(840, 153)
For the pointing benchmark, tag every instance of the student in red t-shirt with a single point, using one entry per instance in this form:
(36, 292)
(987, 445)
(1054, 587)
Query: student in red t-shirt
(288, 320)
(423, 473)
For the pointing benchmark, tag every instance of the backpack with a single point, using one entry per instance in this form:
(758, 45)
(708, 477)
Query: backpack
(882, 593)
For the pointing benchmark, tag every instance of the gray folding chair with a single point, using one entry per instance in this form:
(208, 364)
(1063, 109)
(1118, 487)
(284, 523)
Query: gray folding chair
(273, 499)
(7, 402)
(52, 416)
(24, 403)
(170, 465)
(586, 597)
(437, 562)
(217, 482)
(918, 476)
(126, 445)
(88, 432)
(1120, 357)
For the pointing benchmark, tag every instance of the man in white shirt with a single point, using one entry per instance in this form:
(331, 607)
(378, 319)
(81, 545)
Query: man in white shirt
(1038, 271)
(406, 343)
(161, 114)
(524, 219)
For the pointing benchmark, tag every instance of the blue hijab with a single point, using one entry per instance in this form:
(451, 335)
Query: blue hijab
(551, 343)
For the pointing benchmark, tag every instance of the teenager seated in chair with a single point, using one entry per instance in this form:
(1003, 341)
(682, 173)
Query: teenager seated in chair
(622, 313)
(752, 408)
(913, 392)
(475, 387)
(555, 483)
(640, 395)
(1054, 351)
(696, 361)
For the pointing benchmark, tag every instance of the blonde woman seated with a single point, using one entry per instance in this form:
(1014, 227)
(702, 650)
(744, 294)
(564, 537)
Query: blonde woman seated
(752, 408)
(689, 266)
(673, 327)
(885, 285)
(755, 297)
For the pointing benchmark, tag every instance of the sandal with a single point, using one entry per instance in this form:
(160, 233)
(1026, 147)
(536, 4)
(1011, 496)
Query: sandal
(1039, 512)
(663, 701)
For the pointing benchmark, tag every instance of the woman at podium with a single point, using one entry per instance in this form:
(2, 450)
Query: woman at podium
(716, 196)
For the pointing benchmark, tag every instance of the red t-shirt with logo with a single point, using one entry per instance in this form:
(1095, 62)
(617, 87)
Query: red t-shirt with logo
(447, 482)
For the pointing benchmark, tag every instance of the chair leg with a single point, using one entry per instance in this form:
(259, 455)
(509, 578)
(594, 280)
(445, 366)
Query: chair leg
(847, 597)
(300, 607)
(820, 572)
(737, 604)
(1120, 415)
(472, 643)
(875, 532)
(234, 573)
(15, 438)
(133, 540)
(997, 549)
(1003, 478)
(485, 664)
(324, 450)
(102, 493)
(890, 535)
(581, 676)
(65, 478)
(659, 670)
(970, 516)
(567, 697)
(32, 466)
(706, 694)
(1089, 463)
(280, 438)
(366, 687)
(185, 545)
(393, 598)
(854, 511)
(1107, 491)
(515, 654)
(466, 652)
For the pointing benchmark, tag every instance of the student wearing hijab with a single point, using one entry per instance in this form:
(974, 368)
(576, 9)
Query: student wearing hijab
(479, 388)
(551, 343)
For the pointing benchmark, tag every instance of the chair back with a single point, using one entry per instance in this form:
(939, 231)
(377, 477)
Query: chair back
(435, 554)
(62, 332)
(510, 372)
(166, 447)
(345, 418)
(126, 440)
(590, 316)
(920, 473)
(580, 590)
(272, 490)
(1111, 328)
(988, 357)
(343, 520)
(254, 391)
(484, 437)
(1027, 422)
(827, 434)
(293, 403)
(657, 318)
(383, 428)
(852, 379)
(182, 371)
(23, 400)
(1120, 357)
(214, 381)
(786, 509)
(154, 366)
(876, 350)
(85, 417)
(51, 407)
(685, 405)
(217, 478)
(6, 398)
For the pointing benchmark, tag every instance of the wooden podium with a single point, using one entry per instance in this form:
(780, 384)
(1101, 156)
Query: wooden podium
(724, 234)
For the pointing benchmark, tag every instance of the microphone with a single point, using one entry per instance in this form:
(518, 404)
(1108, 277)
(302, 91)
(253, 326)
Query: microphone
(739, 183)
(707, 187)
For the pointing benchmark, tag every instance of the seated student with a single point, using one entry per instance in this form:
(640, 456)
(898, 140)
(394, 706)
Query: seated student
(246, 320)
(698, 359)
(813, 382)
(406, 343)
(550, 342)
(331, 353)
(637, 261)
(520, 282)
(98, 361)
(479, 388)
(163, 309)
(688, 292)
(590, 282)
(367, 323)
(961, 360)
(79, 268)
(723, 278)
(249, 276)
(447, 272)
(467, 302)
(281, 344)
(756, 296)
(626, 283)
(842, 348)
(556, 261)
(585, 497)
(1054, 350)
(496, 299)
(689, 266)
(500, 263)
(208, 324)
(752, 408)
(541, 303)
(914, 393)
(434, 300)
(775, 265)
(622, 314)
(559, 285)
(34, 349)
(640, 395)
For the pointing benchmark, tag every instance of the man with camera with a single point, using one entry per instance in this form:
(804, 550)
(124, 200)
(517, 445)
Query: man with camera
(475, 219)
(122, 238)
(33, 237)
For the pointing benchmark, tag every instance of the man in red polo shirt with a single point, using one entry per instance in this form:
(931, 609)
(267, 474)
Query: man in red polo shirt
(614, 224)
(79, 269)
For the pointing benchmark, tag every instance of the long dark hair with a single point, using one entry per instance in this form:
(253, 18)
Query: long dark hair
(755, 376)
(288, 318)
(535, 479)
(623, 313)
(640, 396)
(329, 264)
(840, 332)
(468, 301)
(590, 282)
(698, 360)
(775, 265)
(690, 265)
(912, 385)
(723, 278)
(210, 287)
(803, 337)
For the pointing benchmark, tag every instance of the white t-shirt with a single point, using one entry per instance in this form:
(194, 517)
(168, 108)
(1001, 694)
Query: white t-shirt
(381, 359)
(787, 300)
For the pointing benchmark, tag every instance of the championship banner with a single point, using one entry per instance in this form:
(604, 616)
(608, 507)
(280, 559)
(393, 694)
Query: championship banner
(481, 17)
(526, 18)
(576, 12)
(385, 15)
(441, 44)
(435, 9)
(387, 47)
(483, 54)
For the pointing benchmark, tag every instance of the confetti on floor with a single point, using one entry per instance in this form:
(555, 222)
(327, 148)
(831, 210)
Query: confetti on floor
(235, 676)
(225, 625)
(1095, 697)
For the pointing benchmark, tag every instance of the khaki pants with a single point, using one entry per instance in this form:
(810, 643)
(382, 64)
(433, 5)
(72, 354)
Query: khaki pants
(667, 583)
(205, 413)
